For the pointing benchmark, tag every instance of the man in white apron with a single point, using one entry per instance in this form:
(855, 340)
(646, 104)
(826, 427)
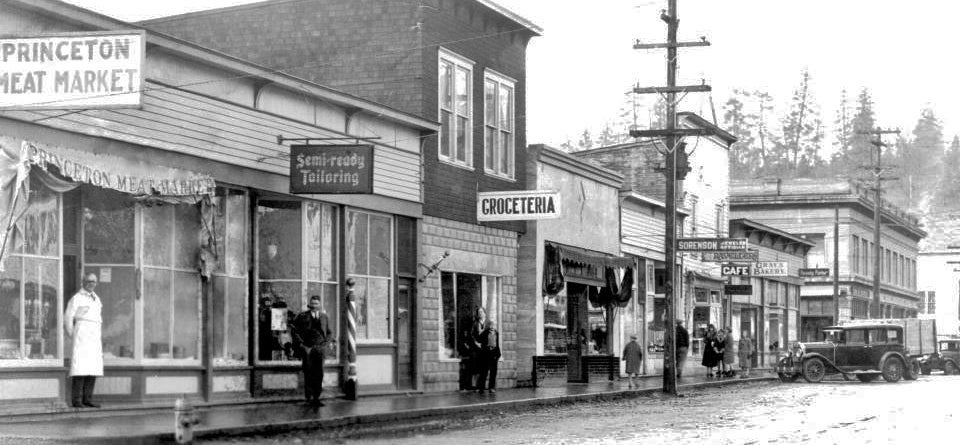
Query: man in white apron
(83, 322)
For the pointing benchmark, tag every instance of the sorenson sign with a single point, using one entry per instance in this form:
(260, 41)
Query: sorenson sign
(523, 205)
(76, 70)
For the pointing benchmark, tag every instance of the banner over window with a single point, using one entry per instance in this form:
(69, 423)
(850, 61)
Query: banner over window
(76, 70)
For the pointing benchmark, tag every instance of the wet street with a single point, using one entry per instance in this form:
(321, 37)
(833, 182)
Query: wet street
(783, 413)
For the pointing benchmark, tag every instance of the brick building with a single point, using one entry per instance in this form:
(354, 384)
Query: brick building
(459, 62)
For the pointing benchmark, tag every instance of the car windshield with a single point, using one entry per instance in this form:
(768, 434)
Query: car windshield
(833, 336)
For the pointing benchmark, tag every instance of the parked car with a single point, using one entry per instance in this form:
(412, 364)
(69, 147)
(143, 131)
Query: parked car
(947, 358)
(865, 349)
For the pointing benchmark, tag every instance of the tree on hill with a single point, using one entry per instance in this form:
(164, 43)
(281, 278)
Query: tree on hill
(920, 162)
(948, 186)
(802, 134)
(744, 159)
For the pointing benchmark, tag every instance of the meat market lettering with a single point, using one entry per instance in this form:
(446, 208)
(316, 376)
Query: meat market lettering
(105, 48)
(507, 206)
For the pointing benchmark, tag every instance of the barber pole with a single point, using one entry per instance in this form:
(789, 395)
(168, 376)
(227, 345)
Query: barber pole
(350, 385)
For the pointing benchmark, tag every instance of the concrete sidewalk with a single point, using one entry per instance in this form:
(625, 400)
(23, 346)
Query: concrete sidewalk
(153, 426)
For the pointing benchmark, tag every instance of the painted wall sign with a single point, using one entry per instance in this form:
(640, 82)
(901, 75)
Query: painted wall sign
(771, 269)
(326, 169)
(744, 256)
(813, 272)
(738, 289)
(74, 70)
(711, 244)
(520, 205)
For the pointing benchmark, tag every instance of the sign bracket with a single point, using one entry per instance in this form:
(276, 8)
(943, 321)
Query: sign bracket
(281, 139)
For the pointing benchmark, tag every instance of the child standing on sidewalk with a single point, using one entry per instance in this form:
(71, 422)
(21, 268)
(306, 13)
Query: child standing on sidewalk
(633, 355)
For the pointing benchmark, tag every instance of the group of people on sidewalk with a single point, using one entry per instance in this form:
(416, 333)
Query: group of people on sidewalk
(480, 354)
(720, 353)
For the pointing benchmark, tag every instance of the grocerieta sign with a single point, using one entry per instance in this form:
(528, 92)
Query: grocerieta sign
(331, 169)
(75, 70)
(513, 206)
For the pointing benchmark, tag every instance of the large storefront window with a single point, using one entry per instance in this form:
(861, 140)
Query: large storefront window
(145, 256)
(555, 323)
(297, 245)
(370, 263)
(30, 295)
(229, 309)
(462, 294)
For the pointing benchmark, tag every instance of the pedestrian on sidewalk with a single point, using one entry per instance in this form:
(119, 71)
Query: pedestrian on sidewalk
(745, 354)
(633, 355)
(711, 357)
(729, 354)
(83, 321)
(489, 357)
(682, 341)
(312, 335)
(471, 362)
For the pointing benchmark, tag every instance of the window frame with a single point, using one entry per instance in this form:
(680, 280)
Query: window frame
(458, 62)
(496, 153)
(224, 362)
(497, 281)
(391, 279)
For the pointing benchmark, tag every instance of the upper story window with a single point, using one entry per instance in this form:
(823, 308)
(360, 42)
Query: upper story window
(456, 109)
(498, 129)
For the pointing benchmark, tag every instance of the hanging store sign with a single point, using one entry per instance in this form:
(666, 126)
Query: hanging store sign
(771, 269)
(738, 289)
(520, 205)
(744, 256)
(711, 244)
(331, 169)
(813, 272)
(75, 70)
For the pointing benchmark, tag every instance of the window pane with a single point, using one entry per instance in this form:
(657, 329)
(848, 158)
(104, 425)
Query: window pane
(489, 103)
(462, 126)
(448, 308)
(186, 315)
(328, 239)
(279, 303)
(381, 247)
(108, 227)
(236, 319)
(555, 323)
(236, 257)
(279, 239)
(506, 152)
(320, 242)
(491, 298)
(506, 108)
(157, 235)
(446, 122)
(157, 319)
(117, 297)
(219, 316)
(373, 308)
(446, 81)
(187, 218)
(490, 147)
(42, 343)
(357, 243)
(10, 287)
(44, 212)
(463, 92)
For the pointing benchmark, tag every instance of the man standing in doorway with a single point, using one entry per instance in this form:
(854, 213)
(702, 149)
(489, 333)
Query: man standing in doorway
(312, 333)
(83, 322)
(683, 343)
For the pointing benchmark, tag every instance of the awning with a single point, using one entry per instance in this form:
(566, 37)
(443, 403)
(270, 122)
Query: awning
(599, 260)
(606, 289)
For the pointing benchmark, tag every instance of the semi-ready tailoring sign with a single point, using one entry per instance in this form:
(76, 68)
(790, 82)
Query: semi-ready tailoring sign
(520, 205)
(331, 169)
(76, 70)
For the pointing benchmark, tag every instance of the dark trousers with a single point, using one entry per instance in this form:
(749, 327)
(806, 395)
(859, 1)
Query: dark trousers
(81, 390)
(468, 369)
(488, 371)
(313, 372)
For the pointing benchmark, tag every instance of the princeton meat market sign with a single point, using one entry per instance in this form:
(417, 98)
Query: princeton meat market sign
(75, 70)
(521, 205)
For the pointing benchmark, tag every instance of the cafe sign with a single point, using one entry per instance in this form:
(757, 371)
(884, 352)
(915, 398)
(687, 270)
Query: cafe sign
(331, 169)
(72, 70)
(515, 206)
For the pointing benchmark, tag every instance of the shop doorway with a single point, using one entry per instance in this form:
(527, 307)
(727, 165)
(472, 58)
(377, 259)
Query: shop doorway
(405, 337)
(576, 330)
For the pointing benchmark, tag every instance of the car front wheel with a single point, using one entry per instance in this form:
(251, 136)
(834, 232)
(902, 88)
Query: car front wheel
(813, 370)
(892, 370)
(950, 368)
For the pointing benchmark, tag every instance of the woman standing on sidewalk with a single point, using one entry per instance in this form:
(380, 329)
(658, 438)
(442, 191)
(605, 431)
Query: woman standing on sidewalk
(746, 353)
(710, 356)
(729, 354)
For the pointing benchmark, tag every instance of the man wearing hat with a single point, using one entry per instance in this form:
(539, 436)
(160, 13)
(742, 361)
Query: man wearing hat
(682, 338)
(633, 355)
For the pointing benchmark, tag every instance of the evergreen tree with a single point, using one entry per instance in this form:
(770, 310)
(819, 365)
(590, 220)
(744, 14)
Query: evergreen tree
(768, 151)
(948, 187)
(842, 131)
(586, 141)
(921, 160)
(802, 133)
(608, 136)
(861, 151)
(744, 159)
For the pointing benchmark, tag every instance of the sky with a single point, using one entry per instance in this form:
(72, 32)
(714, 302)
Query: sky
(580, 70)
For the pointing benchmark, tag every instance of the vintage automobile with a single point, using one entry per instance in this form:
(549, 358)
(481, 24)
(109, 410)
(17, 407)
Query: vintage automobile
(947, 358)
(862, 350)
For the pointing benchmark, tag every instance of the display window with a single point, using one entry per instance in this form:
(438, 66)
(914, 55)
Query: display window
(461, 295)
(229, 311)
(370, 262)
(297, 251)
(30, 293)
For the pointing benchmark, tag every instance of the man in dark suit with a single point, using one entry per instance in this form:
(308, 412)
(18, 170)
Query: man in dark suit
(312, 333)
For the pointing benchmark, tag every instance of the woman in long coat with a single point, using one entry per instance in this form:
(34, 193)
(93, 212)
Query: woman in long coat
(710, 356)
(745, 354)
(729, 354)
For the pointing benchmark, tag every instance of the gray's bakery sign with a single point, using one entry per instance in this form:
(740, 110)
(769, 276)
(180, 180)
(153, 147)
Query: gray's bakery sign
(326, 169)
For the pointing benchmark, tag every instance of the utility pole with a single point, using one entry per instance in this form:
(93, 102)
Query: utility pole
(878, 169)
(836, 264)
(674, 150)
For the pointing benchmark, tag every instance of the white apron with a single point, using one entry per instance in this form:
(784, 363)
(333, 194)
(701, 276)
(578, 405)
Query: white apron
(83, 321)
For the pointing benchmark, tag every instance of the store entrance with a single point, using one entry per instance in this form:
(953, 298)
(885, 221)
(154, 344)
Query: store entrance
(577, 327)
